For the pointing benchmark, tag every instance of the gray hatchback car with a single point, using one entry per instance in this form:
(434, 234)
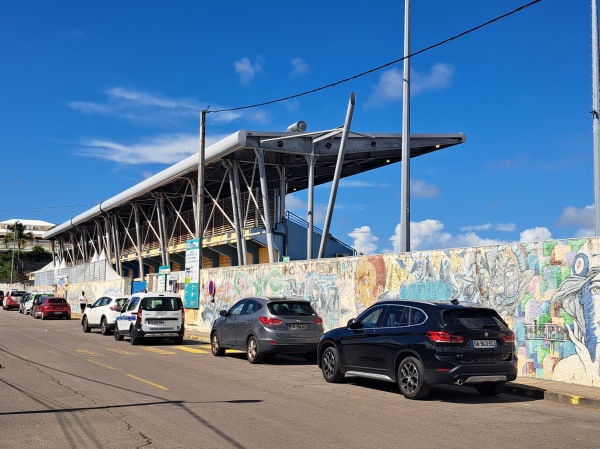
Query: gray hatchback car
(262, 326)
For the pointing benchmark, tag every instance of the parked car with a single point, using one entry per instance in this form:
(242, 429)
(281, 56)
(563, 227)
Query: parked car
(102, 314)
(1, 298)
(33, 299)
(262, 326)
(418, 344)
(12, 300)
(151, 315)
(23, 301)
(52, 306)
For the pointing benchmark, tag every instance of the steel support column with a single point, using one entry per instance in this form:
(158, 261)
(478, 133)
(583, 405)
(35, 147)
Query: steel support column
(311, 161)
(117, 245)
(138, 238)
(238, 203)
(260, 154)
(336, 176)
(236, 219)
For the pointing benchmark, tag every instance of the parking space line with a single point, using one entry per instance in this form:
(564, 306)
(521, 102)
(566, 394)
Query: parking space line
(148, 382)
(196, 351)
(121, 351)
(101, 364)
(86, 351)
(158, 350)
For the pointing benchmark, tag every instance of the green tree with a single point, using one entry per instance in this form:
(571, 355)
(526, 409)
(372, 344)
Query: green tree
(18, 236)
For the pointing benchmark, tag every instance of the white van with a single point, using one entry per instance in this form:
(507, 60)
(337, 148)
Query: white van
(151, 315)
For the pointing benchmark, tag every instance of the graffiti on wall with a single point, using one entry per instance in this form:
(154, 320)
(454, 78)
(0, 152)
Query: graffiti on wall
(548, 293)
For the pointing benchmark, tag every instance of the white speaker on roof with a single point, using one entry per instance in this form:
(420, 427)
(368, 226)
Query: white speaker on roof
(298, 127)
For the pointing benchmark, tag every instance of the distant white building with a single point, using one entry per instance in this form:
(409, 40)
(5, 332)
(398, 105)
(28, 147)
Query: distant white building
(37, 229)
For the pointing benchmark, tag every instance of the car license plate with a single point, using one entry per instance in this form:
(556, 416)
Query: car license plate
(484, 344)
(296, 327)
(57, 313)
(156, 322)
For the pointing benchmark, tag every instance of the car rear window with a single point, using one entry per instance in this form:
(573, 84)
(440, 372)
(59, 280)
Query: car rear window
(474, 319)
(290, 308)
(57, 301)
(161, 303)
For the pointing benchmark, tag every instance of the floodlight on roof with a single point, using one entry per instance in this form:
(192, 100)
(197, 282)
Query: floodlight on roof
(298, 127)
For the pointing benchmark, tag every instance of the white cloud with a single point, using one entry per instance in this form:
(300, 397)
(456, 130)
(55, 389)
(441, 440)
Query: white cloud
(508, 227)
(429, 234)
(353, 183)
(535, 235)
(573, 216)
(505, 227)
(150, 108)
(389, 88)
(299, 67)
(364, 240)
(247, 70)
(166, 149)
(300, 207)
(420, 189)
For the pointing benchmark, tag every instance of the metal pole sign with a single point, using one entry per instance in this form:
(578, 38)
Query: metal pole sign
(192, 271)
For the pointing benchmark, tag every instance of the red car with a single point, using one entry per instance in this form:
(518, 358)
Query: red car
(52, 307)
(13, 299)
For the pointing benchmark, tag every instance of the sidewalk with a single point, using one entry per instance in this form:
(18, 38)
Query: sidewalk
(570, 394)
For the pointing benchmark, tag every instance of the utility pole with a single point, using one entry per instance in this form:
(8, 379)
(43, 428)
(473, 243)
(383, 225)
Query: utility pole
(12, 264)
(595, 114)
(405, 183)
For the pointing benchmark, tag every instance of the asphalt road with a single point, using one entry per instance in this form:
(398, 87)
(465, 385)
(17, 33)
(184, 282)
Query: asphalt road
(61, 388)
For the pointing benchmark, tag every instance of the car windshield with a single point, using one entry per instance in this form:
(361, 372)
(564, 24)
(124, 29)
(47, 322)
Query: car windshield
(290, 308)
(57, 301)
(474, 319)
(161, 303)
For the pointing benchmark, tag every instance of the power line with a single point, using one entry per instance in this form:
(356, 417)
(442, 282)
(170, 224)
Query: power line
(345, 80)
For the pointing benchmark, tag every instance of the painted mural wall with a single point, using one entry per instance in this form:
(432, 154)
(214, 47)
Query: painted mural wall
(548, 292)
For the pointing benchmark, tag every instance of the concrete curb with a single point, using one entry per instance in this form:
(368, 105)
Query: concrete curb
(540, 393)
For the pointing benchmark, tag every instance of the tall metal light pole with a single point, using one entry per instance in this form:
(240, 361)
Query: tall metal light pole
(12, 264)
(405, 186)
(595, 114)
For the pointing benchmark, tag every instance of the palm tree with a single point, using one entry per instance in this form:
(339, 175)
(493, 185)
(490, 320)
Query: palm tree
(17, 235)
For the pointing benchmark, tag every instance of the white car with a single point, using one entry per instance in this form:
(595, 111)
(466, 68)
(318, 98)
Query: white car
(28, 306)
(151, 315)
(102, 314)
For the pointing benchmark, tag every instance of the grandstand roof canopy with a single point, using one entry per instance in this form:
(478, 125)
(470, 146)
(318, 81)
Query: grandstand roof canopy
(282, 150)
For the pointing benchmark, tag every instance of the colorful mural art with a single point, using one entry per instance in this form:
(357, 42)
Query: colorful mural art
(548, 292)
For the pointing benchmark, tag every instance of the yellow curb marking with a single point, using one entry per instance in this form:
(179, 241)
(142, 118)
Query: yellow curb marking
(196, 351)
(121, 351)
(85, 351)
(575, 400)
(158, 350)
(148, 382)
(101, 364)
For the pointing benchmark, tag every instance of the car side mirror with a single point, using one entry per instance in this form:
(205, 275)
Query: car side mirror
(223, 313)
(353, 324)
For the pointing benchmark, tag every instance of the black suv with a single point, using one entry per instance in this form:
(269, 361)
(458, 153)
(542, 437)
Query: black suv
(422, 343)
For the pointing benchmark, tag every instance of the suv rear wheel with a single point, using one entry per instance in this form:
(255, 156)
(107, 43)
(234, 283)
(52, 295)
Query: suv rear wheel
(411, 379)
(252, 351)
(490, 388)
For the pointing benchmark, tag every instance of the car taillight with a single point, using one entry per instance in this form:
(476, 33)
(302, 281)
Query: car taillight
(269, 321)
(138, 316)
(318, 320)
(510, 338)
(444, 337)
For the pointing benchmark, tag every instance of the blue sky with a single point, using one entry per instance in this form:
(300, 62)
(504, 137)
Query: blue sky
(96, 96)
